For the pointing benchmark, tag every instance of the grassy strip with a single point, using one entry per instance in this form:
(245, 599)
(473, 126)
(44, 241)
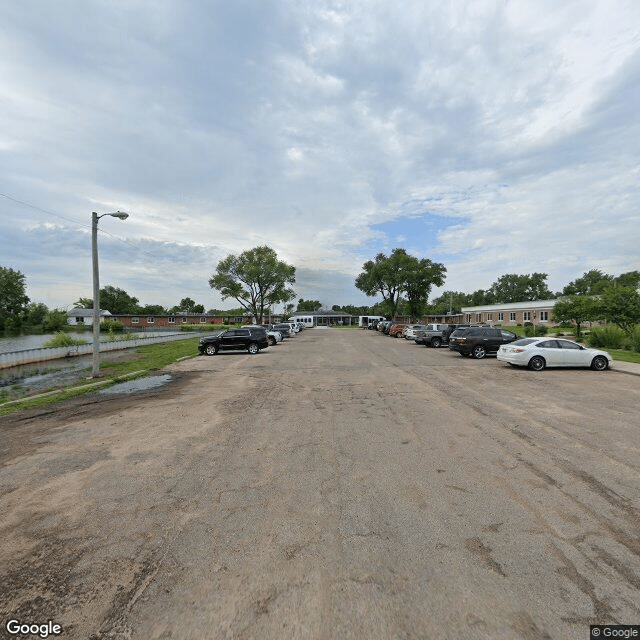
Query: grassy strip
(624, 356)
(149, 358)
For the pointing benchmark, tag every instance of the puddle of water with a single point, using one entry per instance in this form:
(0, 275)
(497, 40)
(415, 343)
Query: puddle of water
(140, 384)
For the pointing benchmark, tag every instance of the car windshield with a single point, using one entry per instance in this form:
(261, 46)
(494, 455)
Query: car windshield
(524, 341)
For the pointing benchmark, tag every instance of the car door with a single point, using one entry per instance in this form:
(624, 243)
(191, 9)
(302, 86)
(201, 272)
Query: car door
(573, 355)
(551, 351)
(229, 339)
(492, 339)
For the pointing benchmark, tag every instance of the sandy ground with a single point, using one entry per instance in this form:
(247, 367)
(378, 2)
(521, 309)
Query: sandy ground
(340, 485)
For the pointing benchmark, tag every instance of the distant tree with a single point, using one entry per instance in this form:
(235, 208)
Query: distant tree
(577, 310)
(308, 305)
(256, 279)
(153, 310)
(117, 301)
(13, 298)
(400, 273)
(188, 305)
(628, 279)
(55, 320)
(590, 283)
(448, 301)
(621, 305)
(84, 303)
(512, 287)
(36, 313)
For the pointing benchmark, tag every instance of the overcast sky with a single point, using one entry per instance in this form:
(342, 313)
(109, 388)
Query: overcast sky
(495, 137)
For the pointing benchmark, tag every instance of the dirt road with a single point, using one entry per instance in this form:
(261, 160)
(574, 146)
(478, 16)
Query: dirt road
(340, 485)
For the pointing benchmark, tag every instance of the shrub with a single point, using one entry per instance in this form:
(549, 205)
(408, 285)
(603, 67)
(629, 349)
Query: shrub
(111, 326)
(532, 330)
(609, 337)
(61, 339)
(635, 338)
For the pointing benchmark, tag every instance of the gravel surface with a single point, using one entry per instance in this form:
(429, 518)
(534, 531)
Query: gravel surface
(342, 484)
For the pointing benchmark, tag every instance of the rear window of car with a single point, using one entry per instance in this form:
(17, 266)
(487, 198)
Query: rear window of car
(523, 342)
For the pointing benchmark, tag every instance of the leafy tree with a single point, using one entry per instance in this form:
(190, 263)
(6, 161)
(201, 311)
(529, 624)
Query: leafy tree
(55, 320)
(628, 279)
(308, 305)
(13, 298)
(83, 303)
(512, 287)
(189, 305)
(449, 301)
(153, 310)
(117, 301)
(577, 310)
(256, 279)
(621, 305)
(590, 283)
(36, 313)
(399, 274)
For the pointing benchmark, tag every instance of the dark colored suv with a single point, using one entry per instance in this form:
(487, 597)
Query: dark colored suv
(479, 341)
(251, 340)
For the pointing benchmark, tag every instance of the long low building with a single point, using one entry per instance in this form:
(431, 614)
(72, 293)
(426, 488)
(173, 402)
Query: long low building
(512, 313)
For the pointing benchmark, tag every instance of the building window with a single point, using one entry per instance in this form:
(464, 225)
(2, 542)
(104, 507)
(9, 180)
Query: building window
(203, 320)
(172, 320)
(500, 315)
(478, 317)
(544, 316)
(150, 320)
(489, 316)
(526, 316)
(512, 316)
(135, 320)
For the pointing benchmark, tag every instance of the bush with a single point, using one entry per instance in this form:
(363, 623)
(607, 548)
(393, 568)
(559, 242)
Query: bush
(61, 339)
(608, 337)
(111, 326)
(532, 330)
(635, 338)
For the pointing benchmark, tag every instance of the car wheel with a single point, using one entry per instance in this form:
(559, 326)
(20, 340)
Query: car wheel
(211, 349)
(253, 348)
(436, 342)
(537, 363)
(272, 341)
(479, 352)
(599, 363)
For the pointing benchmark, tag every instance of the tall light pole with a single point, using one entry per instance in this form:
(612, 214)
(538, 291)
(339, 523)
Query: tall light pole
(96, 286)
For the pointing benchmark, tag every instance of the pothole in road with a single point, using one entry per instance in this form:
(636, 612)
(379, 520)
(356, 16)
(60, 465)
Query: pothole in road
(140, 384)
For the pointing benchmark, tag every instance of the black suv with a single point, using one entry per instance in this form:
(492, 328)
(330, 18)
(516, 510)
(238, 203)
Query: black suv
(251, 340)
(479, 341)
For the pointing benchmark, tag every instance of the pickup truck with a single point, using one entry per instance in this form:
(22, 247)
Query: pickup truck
(435, 335)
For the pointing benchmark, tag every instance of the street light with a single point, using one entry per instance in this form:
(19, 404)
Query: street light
(96, 286)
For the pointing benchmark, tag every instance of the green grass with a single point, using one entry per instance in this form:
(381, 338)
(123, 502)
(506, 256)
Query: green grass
(624, 356)
(148, 358)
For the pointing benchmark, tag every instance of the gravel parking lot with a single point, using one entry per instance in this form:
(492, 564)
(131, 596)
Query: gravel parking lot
(342, 484)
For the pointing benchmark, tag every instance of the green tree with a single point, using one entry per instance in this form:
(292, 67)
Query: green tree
(512, 287)
(55, 320)
(13, 298)
(448, 302)
(36, 313)
(256, 279)
(628, 279)
(621, 305)
(153, 310)
(308, 305)
(117, 301)
(189, 305)
(590, 283)
(400, 273)
(84, 303)
(577, 310)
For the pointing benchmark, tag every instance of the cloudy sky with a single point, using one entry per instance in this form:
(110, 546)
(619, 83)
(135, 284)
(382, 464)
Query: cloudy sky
(494, 136)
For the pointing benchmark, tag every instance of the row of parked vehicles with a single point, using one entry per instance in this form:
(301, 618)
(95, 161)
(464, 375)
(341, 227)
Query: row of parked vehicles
(251, 338)
(478, 341)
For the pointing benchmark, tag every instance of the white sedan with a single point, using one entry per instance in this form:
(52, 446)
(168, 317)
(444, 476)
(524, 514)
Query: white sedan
(538, 353)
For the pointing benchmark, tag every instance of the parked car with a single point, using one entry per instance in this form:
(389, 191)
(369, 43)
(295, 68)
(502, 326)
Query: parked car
(397, 330)
(538, 353)
(386, 326)
(273, 336)
(479, 341)
(435, 335)
(284, 328)
(251, 340)
(412, 330)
